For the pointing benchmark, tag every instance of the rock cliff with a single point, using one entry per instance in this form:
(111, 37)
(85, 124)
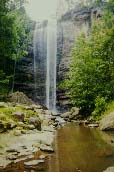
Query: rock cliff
(71, 22)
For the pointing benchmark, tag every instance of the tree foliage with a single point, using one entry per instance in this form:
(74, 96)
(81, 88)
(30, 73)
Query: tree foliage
(15, 35)
(91, 76)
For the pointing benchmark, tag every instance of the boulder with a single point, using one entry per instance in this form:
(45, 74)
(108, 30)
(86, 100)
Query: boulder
(42, 156)
(93, 125)
(36, 122)
(11, 157)
(1, 127)
(33, 107)
(20, 97)
(109, 169)
(17, 133)
(19, 116)
(33, 162)
(48, 128)
(107, 123)
(12, 150)
(75, 113)
(46, 148)
(75, 109)
(30, 127)
(66, 115)
(3, 105)
(53, 118)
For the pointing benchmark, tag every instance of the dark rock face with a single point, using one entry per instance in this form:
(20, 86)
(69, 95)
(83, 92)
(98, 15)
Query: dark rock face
(24, 76)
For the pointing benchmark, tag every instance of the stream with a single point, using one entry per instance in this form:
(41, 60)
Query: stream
(77, 149)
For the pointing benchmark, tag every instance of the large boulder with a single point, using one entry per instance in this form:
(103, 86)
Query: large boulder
(20, 97)
(36, 122)
(19, 116)
(107, 123)
(109, 169)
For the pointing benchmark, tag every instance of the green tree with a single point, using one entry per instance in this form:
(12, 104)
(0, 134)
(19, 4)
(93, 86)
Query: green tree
(15, 34)
(92, 67)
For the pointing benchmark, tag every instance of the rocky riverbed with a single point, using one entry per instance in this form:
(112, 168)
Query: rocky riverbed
(27, 133)
(24, 130)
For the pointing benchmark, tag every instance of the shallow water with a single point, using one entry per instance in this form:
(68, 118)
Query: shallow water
(81, 149)
(77, 148)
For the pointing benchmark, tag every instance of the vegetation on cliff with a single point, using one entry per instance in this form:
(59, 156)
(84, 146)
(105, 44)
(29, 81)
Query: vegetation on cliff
(91, 76)
(15, 35)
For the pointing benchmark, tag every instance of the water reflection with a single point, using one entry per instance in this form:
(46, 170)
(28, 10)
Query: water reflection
(78, 149)
(81, 149)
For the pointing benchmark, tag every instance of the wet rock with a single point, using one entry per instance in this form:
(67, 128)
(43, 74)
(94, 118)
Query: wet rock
(3, 105)
(35, 150)
(107, 123)
(17, 133)
(33, 107)
(20, 124)
(2, 129)
(55, 124)
(75, 113)
(53, 117)
(12, 150)
(36, 122)
(75, 109)
(93, 125)
(19, 116)
(86, 122)
(42, 156)
(33, 163)
(48, 128)
(7, 125)
(46, 148)
(25, 158)
(60, 120)
(11, 157)
(109, 169)
(112, 141)
(66, 115)
(23, 131)
(30, 127)
(21, 159)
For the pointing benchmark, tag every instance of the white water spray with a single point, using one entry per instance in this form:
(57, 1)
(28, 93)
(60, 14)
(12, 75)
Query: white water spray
(51, 64)
(45, 53)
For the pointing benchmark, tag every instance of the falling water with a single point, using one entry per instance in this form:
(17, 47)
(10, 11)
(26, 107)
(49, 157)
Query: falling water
(51, 64)
(45, 50)
(40, 55)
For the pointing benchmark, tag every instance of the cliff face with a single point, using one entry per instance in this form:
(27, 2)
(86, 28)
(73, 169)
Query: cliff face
(24, 74)
(72, 24)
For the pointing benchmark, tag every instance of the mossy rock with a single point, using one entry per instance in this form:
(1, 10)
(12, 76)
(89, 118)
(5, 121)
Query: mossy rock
(19, 97)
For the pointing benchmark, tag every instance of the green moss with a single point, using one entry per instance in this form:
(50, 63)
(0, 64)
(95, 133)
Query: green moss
(6, 115)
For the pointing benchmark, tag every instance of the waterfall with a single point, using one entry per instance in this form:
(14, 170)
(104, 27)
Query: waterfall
(45, 51)
(51, 64)
(40, 55)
